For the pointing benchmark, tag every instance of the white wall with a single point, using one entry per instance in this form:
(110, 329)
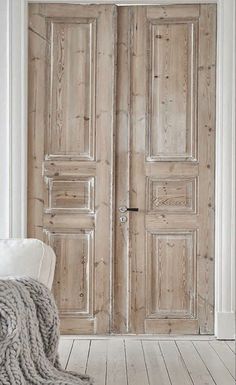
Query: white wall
(13, 140)
(4, 120)
(13, 124)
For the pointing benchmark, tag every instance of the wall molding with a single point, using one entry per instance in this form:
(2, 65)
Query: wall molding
(13, 138)
(225, 172)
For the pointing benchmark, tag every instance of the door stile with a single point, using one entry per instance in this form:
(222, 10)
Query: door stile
(206, 124)
(121, 270)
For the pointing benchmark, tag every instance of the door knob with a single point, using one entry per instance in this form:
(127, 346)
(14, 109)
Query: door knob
(123, 209)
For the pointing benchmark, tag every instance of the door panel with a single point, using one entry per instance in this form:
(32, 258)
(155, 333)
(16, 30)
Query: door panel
(172, 81)
(71, 114)
(165, 251)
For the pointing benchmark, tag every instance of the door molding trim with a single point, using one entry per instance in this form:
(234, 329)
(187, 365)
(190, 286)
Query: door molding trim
(13, 143)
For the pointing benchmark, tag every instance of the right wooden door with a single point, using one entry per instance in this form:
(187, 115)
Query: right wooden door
(164, 263)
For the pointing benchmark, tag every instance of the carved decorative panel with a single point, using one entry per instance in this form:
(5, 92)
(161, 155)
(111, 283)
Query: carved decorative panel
(73, 276)
(72, 89)
(172, 91)
(171, 269)
(172, 195)
(76, 194)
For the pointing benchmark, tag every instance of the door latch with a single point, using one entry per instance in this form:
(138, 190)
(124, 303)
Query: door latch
(123, 209)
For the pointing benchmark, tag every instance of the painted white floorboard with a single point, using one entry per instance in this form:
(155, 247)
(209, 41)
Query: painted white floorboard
(231, 345)
(196, 368)
(116, 364)
(136, 368)
(219, 372)
(64, 350)
(133, 361)
(97, 361)
(226, 355)
(79, 356)
(175, 364)
(155, 364)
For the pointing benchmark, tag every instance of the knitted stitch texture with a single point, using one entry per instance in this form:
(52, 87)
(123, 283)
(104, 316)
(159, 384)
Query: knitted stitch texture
(29, 336)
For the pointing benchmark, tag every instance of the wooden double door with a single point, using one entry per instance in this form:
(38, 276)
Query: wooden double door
(121, 163)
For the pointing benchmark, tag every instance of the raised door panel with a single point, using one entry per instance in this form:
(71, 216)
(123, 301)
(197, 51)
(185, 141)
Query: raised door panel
(172, 90)
(73, 283)
(176, 195)
(171, 267)
(71, 64)
(72, 79)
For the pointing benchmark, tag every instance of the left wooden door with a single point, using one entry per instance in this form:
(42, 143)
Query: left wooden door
(70, 154)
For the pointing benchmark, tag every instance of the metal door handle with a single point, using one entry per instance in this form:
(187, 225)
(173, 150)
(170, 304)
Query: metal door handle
(123, 209)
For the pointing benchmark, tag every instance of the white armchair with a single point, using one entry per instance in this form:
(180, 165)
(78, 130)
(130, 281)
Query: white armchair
(27, 257)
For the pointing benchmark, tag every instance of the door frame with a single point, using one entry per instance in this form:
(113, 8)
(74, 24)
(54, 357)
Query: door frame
(13, 143)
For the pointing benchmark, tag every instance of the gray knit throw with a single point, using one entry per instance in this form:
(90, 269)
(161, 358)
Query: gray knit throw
(29, 335)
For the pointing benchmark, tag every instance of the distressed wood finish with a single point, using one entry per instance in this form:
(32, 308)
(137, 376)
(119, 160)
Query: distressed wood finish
(71, 113)
(159, 277)
(159, 361)
(165, 252)
(122, 267)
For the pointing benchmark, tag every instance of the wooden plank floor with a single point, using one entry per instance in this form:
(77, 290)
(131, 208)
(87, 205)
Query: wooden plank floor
(134, 361)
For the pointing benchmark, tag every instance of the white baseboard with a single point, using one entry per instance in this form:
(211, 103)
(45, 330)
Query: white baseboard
(225, 325)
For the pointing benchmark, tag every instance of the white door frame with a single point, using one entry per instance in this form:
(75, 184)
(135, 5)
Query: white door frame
(13, 139)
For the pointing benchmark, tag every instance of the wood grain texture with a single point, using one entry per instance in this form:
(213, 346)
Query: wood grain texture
(74, 271)
(154, 273)
(175, 365)
(136, 360)
(195, 365)
(170, 172)
(171, 261)
(172, 82)
(206, 128)
(173, 195)
(157, 373)
(121, 273)
(212, 361)
(71, 63)
(226, 355)
(72, 93)
(136, 367)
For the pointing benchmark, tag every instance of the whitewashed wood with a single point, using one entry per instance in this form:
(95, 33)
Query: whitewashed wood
(76, 281)
(157, 373)
(215, 366)
(232, 345)
(136, 368)
(154, 337)
(226, 355)
(185, 268)
(156, 302)
(64, 349)
(174, 363)
(195, 365)
(97, 361)
(121, 284)
(72, 47)
(116, 364)
(79, 356)
(206, 146)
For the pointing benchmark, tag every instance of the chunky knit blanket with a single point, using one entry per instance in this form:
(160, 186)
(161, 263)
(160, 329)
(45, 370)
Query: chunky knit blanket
(29, 334)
